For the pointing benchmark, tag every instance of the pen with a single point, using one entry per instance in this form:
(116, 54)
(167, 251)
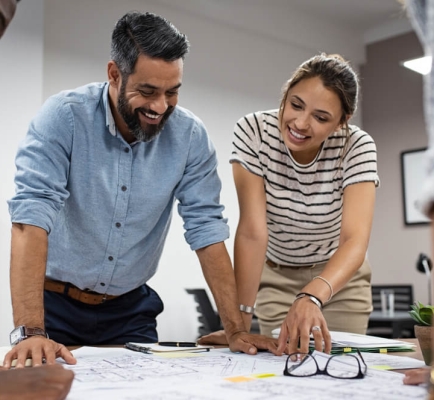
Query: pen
(178, 344)
(133, 347)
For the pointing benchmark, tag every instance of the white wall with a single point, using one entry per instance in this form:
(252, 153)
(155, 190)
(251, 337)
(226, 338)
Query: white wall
(397, 124)
(21, 58)
(238, 63)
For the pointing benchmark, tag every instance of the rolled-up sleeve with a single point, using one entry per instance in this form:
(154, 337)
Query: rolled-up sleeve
(198, 194)
(42, 163)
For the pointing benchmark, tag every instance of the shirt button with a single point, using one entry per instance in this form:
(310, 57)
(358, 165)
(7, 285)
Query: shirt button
(118, 224)
(102, 284)
(124, 188)
(110, 258)
(127, 150)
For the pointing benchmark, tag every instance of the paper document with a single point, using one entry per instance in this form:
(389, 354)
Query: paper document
(366, 341)
(120, 374)
(387, 362)
(343, 340)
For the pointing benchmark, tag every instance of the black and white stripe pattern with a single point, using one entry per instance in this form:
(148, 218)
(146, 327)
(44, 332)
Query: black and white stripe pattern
(304, 202)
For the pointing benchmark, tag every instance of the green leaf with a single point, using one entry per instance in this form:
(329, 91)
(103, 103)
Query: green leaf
(422, 314)
(415, 315)
(426, 315)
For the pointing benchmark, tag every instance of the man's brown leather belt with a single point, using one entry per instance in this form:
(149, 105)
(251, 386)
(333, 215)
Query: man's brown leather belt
(85, 296)
(274, 265)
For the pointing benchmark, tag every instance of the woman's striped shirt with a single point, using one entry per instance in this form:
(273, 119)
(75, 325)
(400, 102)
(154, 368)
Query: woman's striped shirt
(304, 202)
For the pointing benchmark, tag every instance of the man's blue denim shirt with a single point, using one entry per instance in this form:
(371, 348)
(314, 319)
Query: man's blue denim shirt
(107, 205)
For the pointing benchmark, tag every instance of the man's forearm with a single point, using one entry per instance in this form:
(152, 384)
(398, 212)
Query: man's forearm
(249, 256)
(218, 272)
(28, 262)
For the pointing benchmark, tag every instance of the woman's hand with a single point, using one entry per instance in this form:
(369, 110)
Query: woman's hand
(304, 318)
(417, 376)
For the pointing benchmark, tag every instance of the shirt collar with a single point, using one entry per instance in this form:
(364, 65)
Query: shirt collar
(110, 120)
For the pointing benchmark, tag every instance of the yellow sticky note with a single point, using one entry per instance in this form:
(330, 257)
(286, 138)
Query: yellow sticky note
(381, 367)
(237, 379)
(263, 375)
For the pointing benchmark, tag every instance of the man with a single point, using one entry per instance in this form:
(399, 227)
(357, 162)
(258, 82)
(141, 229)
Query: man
(96, 180)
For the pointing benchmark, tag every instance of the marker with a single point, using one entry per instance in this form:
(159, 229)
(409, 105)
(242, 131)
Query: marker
(178, 344)
(133, 347)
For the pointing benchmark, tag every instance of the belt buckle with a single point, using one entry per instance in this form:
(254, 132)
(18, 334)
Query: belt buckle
(104, 298)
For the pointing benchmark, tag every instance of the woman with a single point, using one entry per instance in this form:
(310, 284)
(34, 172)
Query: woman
(306, 182)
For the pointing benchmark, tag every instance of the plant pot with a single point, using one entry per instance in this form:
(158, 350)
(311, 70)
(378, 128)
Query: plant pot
(424, 337)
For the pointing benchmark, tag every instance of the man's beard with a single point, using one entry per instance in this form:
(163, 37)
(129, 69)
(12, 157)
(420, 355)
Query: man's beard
(132, 119)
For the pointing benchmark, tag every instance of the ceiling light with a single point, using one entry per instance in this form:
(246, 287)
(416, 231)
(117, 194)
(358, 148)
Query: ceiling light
(420, 65)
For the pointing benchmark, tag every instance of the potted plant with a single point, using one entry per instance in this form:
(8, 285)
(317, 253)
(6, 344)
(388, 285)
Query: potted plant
(423, 315)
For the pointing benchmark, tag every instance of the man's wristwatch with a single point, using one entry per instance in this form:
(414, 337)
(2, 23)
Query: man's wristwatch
(23, 332)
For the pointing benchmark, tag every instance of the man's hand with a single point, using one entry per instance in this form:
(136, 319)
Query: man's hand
(214, 338)
(304, 318)
(242, 341)
(48, 382)
(251, 343)
(37, 348)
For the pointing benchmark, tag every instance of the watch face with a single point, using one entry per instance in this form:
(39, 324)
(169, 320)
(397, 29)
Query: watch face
(17, 335)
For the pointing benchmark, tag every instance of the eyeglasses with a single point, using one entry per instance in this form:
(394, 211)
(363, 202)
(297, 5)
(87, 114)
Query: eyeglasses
(342, 366)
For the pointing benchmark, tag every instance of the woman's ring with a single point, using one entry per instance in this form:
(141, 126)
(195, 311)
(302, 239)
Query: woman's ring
(316, 328)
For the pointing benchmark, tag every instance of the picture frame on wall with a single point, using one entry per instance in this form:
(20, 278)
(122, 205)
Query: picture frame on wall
(413, 175)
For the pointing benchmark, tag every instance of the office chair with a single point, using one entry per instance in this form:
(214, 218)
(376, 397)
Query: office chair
(403, 296)
(208, 318)
(403, 300)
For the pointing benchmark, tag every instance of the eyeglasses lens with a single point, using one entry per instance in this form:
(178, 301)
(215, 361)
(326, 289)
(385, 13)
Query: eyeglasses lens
(304, 365)
(345, 366)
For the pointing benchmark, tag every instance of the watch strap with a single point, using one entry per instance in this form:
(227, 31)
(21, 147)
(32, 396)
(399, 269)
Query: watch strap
(23, 332)
(34, 332)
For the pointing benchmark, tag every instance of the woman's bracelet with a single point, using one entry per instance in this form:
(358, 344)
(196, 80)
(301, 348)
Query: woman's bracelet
(328, 284)
(247, 309)
(312, 298)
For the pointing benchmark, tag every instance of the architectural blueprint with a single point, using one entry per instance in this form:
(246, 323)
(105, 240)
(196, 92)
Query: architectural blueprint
(104, 373)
